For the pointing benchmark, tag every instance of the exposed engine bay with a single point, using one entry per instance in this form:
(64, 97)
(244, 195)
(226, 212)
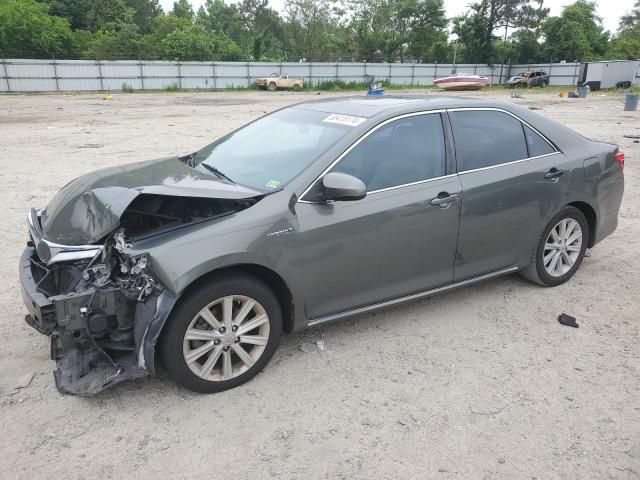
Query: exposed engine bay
(104, 312)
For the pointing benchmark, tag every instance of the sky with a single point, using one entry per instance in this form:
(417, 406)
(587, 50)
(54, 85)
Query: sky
(610, 13)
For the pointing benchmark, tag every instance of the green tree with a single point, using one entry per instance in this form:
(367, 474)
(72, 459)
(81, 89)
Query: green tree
(28, 31)
(74, 10)
(217, 16)
(626, 44)
(479, 28)
(196, 43)
(123, 42)
(309, 23)
(577, 34)
(182, 9)
(108, 14)
(146, 11)
(262, 26)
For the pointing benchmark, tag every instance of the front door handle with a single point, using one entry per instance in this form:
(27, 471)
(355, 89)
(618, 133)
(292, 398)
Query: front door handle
(444, 199)
(553, 174)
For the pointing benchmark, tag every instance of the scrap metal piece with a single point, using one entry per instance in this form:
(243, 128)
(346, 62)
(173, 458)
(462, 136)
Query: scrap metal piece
(568, 320)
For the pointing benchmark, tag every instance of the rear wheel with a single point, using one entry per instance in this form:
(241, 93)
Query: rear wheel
(222, 335)
(560, 250)
(296, 88)
(272, 87)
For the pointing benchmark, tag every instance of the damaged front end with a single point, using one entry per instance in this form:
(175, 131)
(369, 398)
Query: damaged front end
(103, 305)
(97, 303)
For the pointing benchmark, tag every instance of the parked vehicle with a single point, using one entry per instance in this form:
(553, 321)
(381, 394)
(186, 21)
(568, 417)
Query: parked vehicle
(275, 81)
(462, 81)
(529, 79)
(608, 74)
(310, 214)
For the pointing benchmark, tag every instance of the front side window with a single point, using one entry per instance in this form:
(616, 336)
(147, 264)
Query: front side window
(270, 152)
(404, 151)
(486, 138)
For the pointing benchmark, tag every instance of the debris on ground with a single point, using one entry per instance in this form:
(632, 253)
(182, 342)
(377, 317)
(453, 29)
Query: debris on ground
(631, 136)
(568, 320)
(516, 95)
(309, 347)
(25, 380)
(534, 108)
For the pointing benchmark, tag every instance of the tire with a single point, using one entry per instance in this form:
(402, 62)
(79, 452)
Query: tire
(208, 372)
(296, 88)
(272, 87)
(542, 261)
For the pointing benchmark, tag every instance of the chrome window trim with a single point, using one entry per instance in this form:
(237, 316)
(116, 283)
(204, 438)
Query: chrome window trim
(464, 172)
(362, 138)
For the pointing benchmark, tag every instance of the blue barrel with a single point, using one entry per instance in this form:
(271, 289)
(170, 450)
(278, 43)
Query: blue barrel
(631, 103)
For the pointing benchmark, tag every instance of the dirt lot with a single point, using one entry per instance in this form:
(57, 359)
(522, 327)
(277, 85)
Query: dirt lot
(478, 383)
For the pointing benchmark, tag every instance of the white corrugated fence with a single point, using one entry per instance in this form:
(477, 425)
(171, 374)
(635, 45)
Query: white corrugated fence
(29, 75)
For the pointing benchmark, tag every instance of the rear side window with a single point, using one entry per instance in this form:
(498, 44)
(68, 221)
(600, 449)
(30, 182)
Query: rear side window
(536, 144)
(486, 138)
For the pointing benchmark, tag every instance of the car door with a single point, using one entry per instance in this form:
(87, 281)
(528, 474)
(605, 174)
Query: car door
(399, 239)
(512, 182)
(285, 82)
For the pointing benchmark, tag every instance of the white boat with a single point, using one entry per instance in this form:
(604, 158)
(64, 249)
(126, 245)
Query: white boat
(462, 81)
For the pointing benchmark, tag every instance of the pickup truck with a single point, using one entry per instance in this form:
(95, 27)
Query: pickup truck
(275, 81)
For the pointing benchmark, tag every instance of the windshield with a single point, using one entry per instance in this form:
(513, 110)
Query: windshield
(270, 152)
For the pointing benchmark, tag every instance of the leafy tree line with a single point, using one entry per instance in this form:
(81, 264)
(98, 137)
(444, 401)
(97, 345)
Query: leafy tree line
(491, 31)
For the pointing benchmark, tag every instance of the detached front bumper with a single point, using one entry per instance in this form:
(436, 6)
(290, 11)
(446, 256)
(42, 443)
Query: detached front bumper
(99, 336)
(41, 312)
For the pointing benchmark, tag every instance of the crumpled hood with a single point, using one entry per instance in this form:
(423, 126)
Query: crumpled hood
(90, 207)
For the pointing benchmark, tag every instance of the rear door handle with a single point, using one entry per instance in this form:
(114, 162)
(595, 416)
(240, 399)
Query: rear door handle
(444, 199)
(553, 174)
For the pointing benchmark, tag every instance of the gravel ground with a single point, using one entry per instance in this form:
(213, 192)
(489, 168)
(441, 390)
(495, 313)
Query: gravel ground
(478, 383)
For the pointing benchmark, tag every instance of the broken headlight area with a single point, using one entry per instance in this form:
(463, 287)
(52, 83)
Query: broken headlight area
(90, 307)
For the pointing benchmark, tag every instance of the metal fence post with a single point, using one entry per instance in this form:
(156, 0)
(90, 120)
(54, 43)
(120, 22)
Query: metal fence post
(475, 69)
(435, 73)
(280, 68)
(141, 73)
(550, 66)
(413, 73)
(248, 74)
(179, 74)
(337, 71)
(310, 73)
(365, 72)
(55, 72)
(100, 77)
(213, 68)
(6, 75)
(390, 74)
(575, 74)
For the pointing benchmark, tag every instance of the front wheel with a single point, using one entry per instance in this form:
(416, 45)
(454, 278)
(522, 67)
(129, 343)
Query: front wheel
(272, 87)
(222, 334)
(561, 249)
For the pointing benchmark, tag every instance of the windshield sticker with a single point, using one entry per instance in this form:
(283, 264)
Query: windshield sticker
(273, 184)
(349, 120)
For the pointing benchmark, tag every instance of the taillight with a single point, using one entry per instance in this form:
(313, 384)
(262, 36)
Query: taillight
(620, 159)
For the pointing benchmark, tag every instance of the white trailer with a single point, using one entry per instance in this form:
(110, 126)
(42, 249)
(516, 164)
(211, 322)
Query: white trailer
(609, 74)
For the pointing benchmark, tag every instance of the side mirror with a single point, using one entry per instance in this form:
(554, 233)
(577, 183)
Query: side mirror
(341, 186)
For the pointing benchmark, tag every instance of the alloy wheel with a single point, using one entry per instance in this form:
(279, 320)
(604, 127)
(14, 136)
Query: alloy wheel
(562, 247)
(226, 338)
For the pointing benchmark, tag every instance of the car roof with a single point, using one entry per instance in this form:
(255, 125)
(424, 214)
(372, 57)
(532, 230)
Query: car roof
(368, 107)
